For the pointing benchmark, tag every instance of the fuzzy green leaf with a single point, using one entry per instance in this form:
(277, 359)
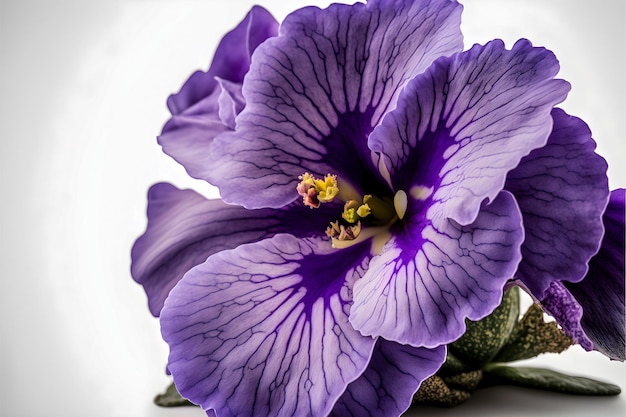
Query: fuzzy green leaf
(533, 336)
(483, 339)
(467, 381)
(434, 391)
(548, 380)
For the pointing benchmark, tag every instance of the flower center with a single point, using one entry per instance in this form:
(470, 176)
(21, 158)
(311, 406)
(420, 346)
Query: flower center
(369, 214)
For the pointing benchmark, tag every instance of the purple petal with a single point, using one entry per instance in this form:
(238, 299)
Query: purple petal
(263, 329)
(431, 276)
(601, 293)
(231, 61)
(184, 229)
(393, 376)
(231, 102)
(187, 137)
(562, 190)
(462, 125)
(592, 311)
(315, 92)
(209, 101)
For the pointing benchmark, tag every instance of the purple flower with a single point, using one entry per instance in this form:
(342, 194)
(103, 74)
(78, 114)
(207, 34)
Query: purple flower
(380, 186)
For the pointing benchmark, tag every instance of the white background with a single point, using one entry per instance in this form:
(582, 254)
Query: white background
(83, 86)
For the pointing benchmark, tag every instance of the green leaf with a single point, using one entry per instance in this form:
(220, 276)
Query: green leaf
(467, 381)
(434, 391)
(452, 366)
(532, 337)
(484, 339)
(171, 398)
(548, 380)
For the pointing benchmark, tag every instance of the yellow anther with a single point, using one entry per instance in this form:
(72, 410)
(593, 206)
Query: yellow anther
(363, 211)
(327, 188)
(353, 211)
(349, 211)
(315, 191)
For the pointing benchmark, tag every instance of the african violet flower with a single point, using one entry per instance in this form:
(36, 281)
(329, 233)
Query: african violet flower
(380, 186)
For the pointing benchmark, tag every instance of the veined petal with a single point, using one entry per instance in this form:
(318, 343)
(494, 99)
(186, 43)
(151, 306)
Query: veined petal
(393, 376)
(468, 120)
(315, 92)
(208, 102)
(562, 191)
(592, 311)
(431, 276)
(263, 329)
(184, 229)
(601, 293)
(231, 60)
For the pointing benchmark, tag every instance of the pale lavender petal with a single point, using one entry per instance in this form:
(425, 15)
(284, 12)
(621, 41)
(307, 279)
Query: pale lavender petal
(467, 121)
(562, 190)
(431, 276)
(263, 329)
(208, 102)
(601, 294)
(184, 229)
(231, 102)
(393, 376)
(231, 60)
(187, 137)
(314, 93)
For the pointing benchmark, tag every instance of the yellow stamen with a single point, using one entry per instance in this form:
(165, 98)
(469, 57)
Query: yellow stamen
(315, 191)
(363, 211)
(349, 211)
(381, 213)
(328, 188)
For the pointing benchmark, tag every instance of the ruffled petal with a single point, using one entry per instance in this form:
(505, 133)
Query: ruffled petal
(263, 329)
(431, 276)
(393, 376)
(231, 102)
(187, 137)
(592, 311)
(562, 190)
(208, 102)
(184, 229)
(231, 61)
(315, 92)
(468, 120)
(601, 293)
